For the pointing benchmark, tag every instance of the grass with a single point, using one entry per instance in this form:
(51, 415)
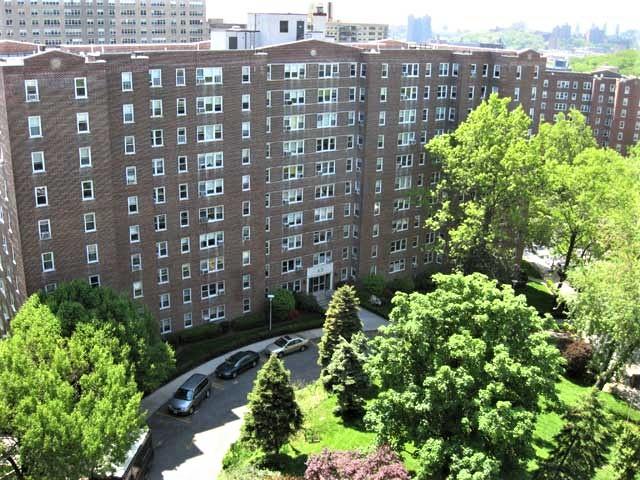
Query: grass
(191, 355)
(322, 429)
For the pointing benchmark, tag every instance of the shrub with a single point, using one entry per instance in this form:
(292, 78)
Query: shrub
(578, 355)
(423, 283)
(402, 284)
(383, 464)
(307, 303)
(373, 285)
(249, 321)
(283, 302)
(196, 334)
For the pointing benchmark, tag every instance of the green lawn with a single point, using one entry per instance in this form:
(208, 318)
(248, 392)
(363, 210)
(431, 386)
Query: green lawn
(324, 430)
(538, 296)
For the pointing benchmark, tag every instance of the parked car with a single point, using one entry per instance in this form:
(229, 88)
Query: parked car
(190, 394)
(237, 363)
(286, 345)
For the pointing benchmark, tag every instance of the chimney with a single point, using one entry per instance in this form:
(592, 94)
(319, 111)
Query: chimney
(330, 11)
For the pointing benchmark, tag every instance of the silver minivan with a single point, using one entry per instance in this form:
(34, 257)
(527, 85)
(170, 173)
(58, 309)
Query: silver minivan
(190, 394)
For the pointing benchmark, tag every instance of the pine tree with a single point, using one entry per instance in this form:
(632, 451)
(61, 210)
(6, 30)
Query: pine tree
(348, 380)
(626, 455)
(581, 445)
(273, 414)
(341, 320)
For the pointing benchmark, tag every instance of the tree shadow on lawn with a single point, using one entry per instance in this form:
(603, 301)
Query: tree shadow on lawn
(285, 463)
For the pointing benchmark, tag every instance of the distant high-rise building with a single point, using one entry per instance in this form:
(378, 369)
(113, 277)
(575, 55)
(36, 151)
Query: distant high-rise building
(596, 35)
(99, 22)
(560, 36)
(419, 29)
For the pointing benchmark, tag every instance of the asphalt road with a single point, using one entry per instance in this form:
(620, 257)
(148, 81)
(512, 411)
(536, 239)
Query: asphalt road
(187, 448)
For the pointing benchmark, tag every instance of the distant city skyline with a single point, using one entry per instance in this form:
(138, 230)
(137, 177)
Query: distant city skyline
(467, 15)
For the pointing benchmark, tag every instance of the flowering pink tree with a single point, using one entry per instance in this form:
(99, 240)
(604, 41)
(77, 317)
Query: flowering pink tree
(383, 464)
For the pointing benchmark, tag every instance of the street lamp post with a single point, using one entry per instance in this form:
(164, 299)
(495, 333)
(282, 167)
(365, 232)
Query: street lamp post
(270, 297)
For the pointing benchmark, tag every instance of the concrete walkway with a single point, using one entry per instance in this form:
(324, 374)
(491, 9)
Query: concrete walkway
(157, 399)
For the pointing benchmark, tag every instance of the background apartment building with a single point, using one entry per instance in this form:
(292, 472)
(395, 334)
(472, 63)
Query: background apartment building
(64, 22)
(347, 32)
(198, 180)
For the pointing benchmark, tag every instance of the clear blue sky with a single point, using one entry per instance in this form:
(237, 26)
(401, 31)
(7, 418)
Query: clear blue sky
(460, 14)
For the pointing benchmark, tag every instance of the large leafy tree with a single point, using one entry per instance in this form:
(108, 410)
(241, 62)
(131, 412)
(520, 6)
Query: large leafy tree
(581, 445)
(341, 321)
(68, 405)
(461, 371)
(586, 194)
(605, 309)
(77, 303)
(273, 414)
(489, 176)
(626, 454)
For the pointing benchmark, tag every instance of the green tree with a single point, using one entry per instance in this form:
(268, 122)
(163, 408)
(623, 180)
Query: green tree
(581, 445)
(488, 179)
(341, 321)
(374, 285)
(283, 303)
(626, 454)
(76, 303)
(606, 309)
(585, 192)
(628, 61)
(68, 405)
(348, 379)
(273, 414)
(462, 369)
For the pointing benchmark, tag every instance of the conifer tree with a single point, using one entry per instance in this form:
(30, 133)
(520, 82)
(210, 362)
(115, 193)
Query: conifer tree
(273, 414)
(626, 455)
(581, 445)
(348, 380)
(341, 320)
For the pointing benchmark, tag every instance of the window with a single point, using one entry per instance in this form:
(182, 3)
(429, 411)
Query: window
(127, 113)
(383, 94)
(328, 70)
(35, 127)
(294, 97)
(162, 249)
(211, 290)
(48, 263)
(407, 116)
(408, 93)
(246, 74)
(157, 138)
(246, 102)
(212, 265)
(295, 70)
(246, 208)
(31, 91)
(132, 205)
(181, 106)
(210, 160)
(246, 304)
(44, 229)
(326, 168)
(246, 183)
(131, 177)
(185, 245)
(209, 133)
(184, 218)
(188, 320)
(443, 70)
(384, 70)
(129, 145)
(293, 148)
(284, 26)
(211, 240)
(186, 295)
(206, 105)
(183, 164)
(155, 78)
(82, 122)
(134, 233)
(37, 162)
(87, 190)
(211, 214)
(89, 222)
(180, 77)
(165, 303)
(245, 156)
(209, 188)
(410, 69)
(246, 129)
(160, 222)
(323, 214)
(291, 265)
(293, 219)
(324, 191)
(126, 81)
(92, 253)
(325, 144)
(209, 76)
(327, 95)
(155, 107)
(157, 166)
(137, 289)
(80, 87)
(382, 118)
(136, 262)
(246, 258)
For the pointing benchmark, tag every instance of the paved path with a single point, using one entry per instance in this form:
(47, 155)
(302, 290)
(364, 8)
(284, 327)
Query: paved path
(193, 447)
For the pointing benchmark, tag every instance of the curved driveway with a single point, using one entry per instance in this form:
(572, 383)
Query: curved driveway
(191, 448)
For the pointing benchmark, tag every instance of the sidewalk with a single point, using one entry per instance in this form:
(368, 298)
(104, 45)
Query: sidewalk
(157, 399)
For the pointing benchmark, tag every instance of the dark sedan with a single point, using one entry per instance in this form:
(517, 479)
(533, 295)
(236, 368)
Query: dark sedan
(237, 363)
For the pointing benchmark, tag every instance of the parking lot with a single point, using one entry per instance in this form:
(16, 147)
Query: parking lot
(191, 447)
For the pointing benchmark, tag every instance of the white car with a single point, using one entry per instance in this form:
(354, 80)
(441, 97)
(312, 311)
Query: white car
(285, 345)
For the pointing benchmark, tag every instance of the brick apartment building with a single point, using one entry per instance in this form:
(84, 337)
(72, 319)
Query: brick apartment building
(64, 22)
(196, 180)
